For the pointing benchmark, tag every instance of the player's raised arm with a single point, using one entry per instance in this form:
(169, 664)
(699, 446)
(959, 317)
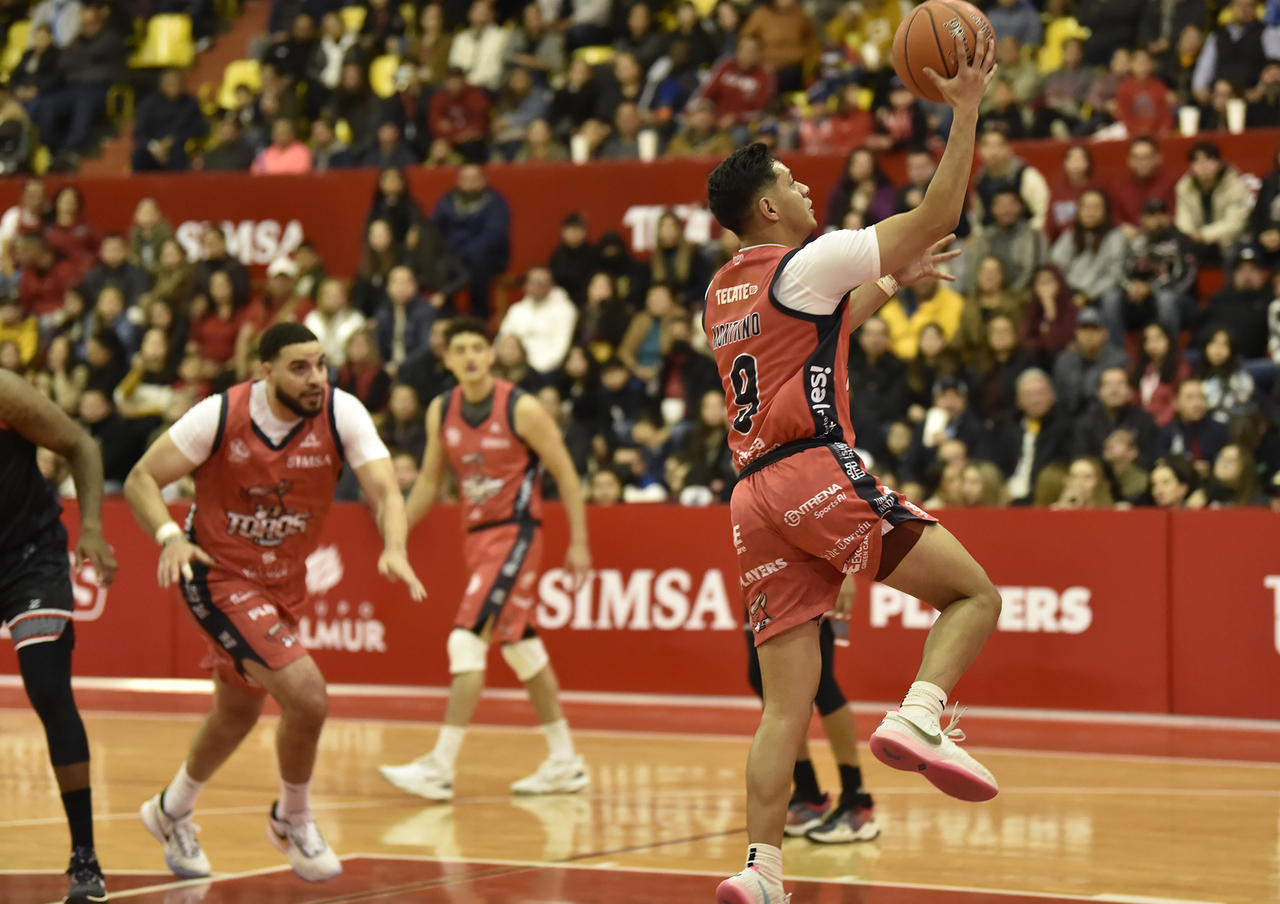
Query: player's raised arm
(43, 423)
(905, 236)
(426, 489)
(870, 297)
(540, 433)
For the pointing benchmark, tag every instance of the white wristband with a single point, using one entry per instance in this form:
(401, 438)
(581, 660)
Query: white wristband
(888, 285)
(167, 530)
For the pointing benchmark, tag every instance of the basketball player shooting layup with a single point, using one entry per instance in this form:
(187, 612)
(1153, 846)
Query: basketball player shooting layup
(35, 594)
(496, 438)
(266, 456)
(778, 319)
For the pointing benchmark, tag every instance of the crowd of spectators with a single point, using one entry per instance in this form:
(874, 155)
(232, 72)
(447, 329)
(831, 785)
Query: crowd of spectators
(501, 81)
(1074, 361)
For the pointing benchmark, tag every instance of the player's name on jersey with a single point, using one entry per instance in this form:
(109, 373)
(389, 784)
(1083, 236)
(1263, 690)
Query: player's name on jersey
(735, 330)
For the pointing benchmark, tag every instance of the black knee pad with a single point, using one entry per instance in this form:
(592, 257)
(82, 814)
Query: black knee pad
(829, 698)
(753, 665)
(46, 674)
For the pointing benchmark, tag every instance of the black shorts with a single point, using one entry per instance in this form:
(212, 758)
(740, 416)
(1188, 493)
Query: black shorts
(35, 587)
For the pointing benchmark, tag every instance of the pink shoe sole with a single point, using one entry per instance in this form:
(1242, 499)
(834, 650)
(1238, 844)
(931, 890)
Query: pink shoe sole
(731, 892)
(902, 752)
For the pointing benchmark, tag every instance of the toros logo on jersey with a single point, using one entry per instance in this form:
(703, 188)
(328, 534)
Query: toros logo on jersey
(271, 523)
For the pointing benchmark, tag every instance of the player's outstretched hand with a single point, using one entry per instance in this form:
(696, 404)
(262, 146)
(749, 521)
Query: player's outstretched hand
(175, 561)
(94, 549)
(395, 566)
(577, 561)
(926, 265)
(964, 90)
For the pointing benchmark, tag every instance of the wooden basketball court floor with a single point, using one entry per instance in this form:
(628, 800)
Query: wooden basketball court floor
(1144, 810)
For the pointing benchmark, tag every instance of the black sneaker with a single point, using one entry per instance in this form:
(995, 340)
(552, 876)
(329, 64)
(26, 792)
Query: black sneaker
(87, 885)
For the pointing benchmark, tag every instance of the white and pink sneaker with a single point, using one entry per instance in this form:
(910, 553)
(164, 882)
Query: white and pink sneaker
(749, 887)
(931, 750)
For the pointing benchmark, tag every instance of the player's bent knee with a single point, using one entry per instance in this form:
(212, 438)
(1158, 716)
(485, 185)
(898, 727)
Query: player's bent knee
(526, 657)
(467, 652)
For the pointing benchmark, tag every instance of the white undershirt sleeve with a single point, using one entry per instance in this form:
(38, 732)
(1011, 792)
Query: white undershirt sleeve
(821, 273)
(360, 440)
(196, 430)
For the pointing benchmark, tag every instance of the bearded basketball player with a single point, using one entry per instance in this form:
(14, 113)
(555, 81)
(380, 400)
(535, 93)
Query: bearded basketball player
(266, 457)
(778, 318)
(35, 594)
(497, 439)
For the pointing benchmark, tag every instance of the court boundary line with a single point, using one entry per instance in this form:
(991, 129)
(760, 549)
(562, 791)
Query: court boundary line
(685, 701)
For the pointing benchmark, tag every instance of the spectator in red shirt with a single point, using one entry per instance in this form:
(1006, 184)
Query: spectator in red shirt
(1074, 180)
(217, 335)
(1147, 178)
(46, 276)
(846, 128)
(742, 87)
(459, 113)
(69, 235)
(1142, 100)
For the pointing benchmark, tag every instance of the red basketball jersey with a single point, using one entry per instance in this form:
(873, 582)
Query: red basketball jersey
(785, 372)
(499, 477)
(260, 507)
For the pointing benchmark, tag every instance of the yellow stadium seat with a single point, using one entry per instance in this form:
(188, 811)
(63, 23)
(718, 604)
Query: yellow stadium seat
(19, 35)
(237, 73)
(705, 8)
(1057, 34)
(595, 55)
(342, 131)
(382, 75)
(353, 18)
(409, 13)
(168, 43)
(40, 160)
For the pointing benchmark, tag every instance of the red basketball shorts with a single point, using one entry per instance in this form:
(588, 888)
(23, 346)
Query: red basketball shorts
(243, 622)
(801, 524)
(503, 562)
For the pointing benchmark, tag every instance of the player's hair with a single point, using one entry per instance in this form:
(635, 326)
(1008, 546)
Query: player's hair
(463, 326)
(280, 335)
(735, 184)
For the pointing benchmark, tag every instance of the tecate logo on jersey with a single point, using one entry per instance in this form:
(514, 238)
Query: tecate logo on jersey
(819, 380)
(739, 292)
(793, 516)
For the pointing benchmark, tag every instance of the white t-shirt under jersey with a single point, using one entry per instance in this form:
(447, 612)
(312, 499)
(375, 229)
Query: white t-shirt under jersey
(196, 430)
(828, 268)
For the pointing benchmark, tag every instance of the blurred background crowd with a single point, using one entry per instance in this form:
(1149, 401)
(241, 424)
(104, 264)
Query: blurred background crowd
(1106, 341)
(338, 84)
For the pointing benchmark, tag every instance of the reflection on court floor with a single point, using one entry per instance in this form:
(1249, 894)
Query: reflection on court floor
(1089, 810)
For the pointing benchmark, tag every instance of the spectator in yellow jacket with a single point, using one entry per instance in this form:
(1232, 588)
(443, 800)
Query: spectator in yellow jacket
(908, 312)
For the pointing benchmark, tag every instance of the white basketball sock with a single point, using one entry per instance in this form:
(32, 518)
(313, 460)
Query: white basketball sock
(448, 742)
(924, 702)
(558, 739)
(767, 860)
(180, 797)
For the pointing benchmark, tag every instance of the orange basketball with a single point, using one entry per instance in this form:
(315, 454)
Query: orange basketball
(926, 40)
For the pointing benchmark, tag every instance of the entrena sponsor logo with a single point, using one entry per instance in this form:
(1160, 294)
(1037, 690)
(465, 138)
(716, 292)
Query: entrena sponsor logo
(794, 516)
